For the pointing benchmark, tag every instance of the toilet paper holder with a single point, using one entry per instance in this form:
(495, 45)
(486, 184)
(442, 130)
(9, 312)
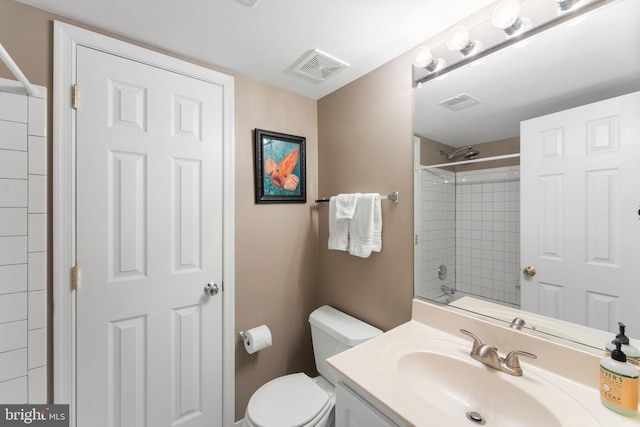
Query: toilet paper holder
(242, 338)
(255, 339)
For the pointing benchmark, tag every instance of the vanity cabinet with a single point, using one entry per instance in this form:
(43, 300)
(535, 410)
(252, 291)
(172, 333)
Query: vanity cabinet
(353, 411)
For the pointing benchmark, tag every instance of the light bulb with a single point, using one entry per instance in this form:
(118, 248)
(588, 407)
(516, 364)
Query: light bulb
(506, 17)
(422, 57)
(505, 14)
(458, 38)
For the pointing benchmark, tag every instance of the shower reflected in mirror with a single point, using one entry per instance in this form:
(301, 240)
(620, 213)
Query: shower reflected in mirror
(470, 153)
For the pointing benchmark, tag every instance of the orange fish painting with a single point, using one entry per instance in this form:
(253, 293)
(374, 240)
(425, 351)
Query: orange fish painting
(280, 172)
(280, 167)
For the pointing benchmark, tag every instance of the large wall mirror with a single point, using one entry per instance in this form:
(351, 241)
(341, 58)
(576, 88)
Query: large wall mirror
(527, 196)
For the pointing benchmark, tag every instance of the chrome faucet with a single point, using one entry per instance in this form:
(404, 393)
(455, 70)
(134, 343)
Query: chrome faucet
(488, 355)
(448, 290)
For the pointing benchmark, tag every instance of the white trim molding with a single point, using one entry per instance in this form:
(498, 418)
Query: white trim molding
(66, 39)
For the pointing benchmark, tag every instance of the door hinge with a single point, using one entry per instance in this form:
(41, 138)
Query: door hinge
(415, 239)
(74, 97)
(75, 277)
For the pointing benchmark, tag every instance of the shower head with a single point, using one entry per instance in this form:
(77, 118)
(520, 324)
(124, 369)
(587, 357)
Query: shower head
(470, 154)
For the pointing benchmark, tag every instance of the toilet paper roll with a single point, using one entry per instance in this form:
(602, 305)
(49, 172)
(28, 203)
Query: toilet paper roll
(256, 339)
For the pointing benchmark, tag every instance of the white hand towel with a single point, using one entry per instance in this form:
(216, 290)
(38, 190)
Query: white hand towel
(346, 205)
(338, 228)
(365, 229)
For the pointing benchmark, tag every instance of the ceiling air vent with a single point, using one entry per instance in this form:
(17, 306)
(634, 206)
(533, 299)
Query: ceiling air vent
(319, 66)
(460, 102)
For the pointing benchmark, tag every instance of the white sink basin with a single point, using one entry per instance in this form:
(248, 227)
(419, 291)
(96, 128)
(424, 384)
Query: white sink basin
(460, 388)
(420, 375)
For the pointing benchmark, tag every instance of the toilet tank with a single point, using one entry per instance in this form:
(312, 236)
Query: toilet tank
(332, 332)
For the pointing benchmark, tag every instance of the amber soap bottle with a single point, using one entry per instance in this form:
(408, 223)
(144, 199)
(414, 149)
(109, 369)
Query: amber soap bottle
(619, 382)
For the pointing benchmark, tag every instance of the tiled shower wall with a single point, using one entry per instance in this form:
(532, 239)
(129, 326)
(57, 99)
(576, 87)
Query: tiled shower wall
(488, 233)
(471, 224)
(23, 211)
(438, 231)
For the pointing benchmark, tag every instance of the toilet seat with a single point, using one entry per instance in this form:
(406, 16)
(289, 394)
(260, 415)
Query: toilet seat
(290, 401)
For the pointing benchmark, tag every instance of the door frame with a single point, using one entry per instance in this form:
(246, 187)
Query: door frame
(66, 39)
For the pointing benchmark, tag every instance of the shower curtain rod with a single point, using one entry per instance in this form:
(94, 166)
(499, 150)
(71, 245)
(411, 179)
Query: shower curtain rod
(13, 67)
(466, 162)
(393, 197)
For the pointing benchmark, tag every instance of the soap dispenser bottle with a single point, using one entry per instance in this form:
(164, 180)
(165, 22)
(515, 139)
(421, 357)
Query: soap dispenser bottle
(633, 355)
(619, 382)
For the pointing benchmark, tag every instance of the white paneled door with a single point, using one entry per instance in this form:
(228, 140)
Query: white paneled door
(580, 213)
(149, 240)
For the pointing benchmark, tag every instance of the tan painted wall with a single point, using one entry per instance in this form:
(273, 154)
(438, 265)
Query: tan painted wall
(276, 245)
(366, 145)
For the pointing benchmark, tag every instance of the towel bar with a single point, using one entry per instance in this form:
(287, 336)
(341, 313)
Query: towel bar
(393, 197)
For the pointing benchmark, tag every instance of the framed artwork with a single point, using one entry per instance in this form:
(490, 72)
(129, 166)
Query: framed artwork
(280, 167)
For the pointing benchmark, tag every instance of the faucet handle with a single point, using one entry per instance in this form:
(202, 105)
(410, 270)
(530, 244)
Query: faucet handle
(517, 323)
(476, 341)
(512, 361)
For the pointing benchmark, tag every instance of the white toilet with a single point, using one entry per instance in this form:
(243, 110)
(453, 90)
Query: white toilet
(297, 400)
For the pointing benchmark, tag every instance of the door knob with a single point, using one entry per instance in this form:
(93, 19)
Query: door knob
(211, 289)
(529, 271)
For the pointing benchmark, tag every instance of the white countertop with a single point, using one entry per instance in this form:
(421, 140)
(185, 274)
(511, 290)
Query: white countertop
(571, 369)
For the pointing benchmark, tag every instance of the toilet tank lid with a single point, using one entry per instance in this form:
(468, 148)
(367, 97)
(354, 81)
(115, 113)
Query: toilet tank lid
(345, 328)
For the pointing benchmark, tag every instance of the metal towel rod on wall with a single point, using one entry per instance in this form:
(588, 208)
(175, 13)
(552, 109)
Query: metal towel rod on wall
(393, 197)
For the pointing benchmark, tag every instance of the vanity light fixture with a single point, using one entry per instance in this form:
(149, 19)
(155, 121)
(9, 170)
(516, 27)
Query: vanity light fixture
(459, 39)
(506, 16)
(423, 58)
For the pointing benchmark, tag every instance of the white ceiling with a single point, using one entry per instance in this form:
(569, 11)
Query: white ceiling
(265, 41)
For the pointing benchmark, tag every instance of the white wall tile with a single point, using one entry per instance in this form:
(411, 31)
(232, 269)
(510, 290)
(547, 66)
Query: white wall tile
(37, 232)
(14, 336)
(37, 155)
(37, 194)
(37, 310)
(13, 136)
(14, 391)
(13, 364)
(37, 116)
(13, 107)
(23, 207)
(13, 193)
(484, 266)
(13, 250)
(13, 307)
(13, 222)
(37, 278)
(13, 278)
(37, 348)
(13, 164)
(38, 385)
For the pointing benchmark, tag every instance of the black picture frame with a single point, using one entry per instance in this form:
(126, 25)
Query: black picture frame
(280, 167)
